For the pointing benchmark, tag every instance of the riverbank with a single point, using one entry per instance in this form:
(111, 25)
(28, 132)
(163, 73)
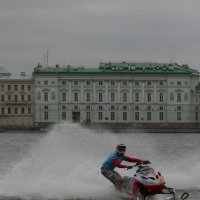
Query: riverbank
(118, 128)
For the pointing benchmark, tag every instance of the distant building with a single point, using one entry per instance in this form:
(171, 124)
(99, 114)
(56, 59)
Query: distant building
(17, 102)
(4, 73)
(117, 93)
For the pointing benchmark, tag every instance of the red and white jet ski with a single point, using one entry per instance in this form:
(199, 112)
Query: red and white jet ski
(147, 182)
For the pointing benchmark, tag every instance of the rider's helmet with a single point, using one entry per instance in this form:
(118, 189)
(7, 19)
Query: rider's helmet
(121, 148)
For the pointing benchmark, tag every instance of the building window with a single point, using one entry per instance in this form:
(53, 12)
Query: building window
(149, 83)
(161, 97)
(161, 116)
(148, 116)
(88, 115)
(112, 83)
(46, 96)
(63, 82)
(2, 110)
(9, 110)
(178, 97)
(64, 116)
(29, 97)
(185, 97)
(2, 87)
(87, 82)
(9, 87)
(22, 110)
(16, 110)
(112, 108)
(75, 82)
(148, 97)
(88, 97)
(16, 87)
(38, 96)
(22, 87)
(100, 108)
(112, 116)
(178, 83)
(136, 83)
(46, 115)
(63, 107)
(16, 98)
(124, 116)
(161, 83)
(88, 108)
(161, 108)
(196, 116)
(100, 97)
(22, 97)
(64, 96)
(137, 116)
(124, 97)
(29, 87)
(45, 82)
(171, 96)
(124, 83)
(112, 97)
(178, 116)
(76, 108)
(9, 97)
(29, 110)
(136, 107)
(100, 83)
(75, 97)
(2, 97)
(100, 116)
(137, 97)
(124, 108)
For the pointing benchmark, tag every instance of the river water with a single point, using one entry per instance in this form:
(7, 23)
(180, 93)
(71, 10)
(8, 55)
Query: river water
(64, 163)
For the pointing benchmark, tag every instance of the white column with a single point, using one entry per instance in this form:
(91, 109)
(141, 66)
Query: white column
(118, 92)
(94, 92)
(154, 91)
(82, 97)
(131, 92)
(70, 92)
(106, 95)
(142, 97)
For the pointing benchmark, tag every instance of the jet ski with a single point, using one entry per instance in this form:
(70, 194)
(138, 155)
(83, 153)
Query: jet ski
(147, 182)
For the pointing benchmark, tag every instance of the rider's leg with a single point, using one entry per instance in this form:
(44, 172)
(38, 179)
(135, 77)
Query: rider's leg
(114, 177)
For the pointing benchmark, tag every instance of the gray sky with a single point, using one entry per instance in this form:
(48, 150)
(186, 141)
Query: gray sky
(86, 32)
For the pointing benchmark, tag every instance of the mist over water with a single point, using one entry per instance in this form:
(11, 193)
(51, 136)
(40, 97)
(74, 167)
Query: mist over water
(66, 163)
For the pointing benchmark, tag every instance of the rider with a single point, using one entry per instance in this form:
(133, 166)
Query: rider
(114, 160)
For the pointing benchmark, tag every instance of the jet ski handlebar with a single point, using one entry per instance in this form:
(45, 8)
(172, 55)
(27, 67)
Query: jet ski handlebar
(138, 164)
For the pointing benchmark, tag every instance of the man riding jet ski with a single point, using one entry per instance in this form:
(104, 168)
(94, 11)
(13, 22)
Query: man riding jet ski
(114, 160)
(146, 182)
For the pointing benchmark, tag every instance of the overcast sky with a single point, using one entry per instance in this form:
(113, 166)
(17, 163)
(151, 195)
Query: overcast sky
(86, 32)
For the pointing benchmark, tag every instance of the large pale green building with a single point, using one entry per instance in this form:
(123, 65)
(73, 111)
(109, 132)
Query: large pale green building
(117, 93)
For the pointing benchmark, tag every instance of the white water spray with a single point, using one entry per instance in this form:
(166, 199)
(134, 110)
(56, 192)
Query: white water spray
(66, 164)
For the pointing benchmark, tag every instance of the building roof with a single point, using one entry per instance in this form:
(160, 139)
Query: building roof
(4, 72)
(119, 68)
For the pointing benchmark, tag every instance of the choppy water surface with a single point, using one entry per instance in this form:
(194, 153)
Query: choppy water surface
(64, 163)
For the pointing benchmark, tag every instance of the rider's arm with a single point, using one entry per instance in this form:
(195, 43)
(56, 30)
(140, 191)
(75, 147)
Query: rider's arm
(118, 164)
(134, 160)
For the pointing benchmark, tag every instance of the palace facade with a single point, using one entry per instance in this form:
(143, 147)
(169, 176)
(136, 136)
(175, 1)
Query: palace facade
(117, 93)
